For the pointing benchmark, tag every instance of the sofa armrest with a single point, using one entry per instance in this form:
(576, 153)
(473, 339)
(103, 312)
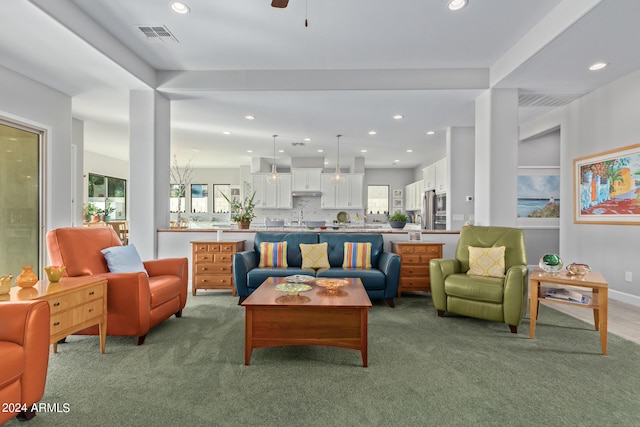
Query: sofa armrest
(171, 267)
(439, 269)
(243, 262)
(515, 294)
(129, 300)
(27, 323)
(389, 264)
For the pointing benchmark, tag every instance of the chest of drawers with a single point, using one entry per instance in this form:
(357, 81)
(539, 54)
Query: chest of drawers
(212, 266)
(414, 264)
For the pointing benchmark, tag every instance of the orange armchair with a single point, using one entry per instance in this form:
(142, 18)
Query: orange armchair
(24, 356)
(135, 303)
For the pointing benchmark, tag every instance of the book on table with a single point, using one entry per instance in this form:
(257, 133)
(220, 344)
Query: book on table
(564, 294)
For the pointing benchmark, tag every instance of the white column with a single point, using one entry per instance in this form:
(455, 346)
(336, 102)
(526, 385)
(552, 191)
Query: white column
(149, 162)
(460, 175)
(496, 158)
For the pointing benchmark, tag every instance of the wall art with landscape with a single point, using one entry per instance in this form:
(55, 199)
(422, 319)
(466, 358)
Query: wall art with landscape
(539, 196)
(607, 187)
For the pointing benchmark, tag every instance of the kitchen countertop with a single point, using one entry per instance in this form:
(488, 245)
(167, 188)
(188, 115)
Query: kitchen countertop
(305, 229)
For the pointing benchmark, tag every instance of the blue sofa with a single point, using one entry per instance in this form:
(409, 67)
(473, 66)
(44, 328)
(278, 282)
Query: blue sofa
(380, 281)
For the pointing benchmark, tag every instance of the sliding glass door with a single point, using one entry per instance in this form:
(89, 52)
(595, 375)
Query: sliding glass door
(20, 198)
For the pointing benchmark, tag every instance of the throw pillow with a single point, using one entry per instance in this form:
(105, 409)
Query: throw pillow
(123, 259)
(273, 254)
(357, 255)
(486, 261)
(315, 256)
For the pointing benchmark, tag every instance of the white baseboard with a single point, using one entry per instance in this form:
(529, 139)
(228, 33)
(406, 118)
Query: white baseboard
(624, 297)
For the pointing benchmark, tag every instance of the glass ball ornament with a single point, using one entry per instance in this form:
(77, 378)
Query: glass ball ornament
(551, 263)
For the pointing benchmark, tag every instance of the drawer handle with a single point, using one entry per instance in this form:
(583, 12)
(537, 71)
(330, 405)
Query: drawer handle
(91, 310)
(56, 324)
(92, 293)
(56, 304)
(204, 268)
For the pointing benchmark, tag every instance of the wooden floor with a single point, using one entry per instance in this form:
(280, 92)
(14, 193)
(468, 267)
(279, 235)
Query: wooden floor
(624, 319)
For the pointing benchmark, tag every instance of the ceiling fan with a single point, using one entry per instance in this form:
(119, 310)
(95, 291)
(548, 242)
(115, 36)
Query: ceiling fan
(279, 3)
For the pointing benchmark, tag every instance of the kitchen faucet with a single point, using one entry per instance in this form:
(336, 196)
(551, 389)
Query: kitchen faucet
(300, 217)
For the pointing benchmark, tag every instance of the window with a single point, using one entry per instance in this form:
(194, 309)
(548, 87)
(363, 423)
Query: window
(199, 198)
(377, 199)
(177, 202)
(109, 194)
(220, 204)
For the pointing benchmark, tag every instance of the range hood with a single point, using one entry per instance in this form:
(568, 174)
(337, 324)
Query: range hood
(301, 193)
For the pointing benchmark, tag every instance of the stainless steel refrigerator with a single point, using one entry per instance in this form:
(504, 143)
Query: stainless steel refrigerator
(428, 214)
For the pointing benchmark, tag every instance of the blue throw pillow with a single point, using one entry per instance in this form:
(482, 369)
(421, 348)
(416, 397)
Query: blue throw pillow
(123, 259)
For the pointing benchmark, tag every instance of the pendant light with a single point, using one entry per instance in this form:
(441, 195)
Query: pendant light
(273, 177)
(337, 178)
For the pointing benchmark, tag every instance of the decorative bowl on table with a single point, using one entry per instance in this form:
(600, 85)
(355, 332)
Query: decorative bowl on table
(331, 284)
(578, 269)
(292, 288)
(54, 272)
(551, 263)
(299, 278)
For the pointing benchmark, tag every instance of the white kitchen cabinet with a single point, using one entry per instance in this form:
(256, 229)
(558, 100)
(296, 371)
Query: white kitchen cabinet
(429, 174)
(269, 196)
(441, 176)
(413, 196)
(347, 195)
(306, 179)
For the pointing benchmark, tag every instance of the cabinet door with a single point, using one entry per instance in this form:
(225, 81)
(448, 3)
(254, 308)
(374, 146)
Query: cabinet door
(266, 194)
(349, 194)
(441, 176)
(306, 179)
(429, 178)
(285, 200)
(328, 199)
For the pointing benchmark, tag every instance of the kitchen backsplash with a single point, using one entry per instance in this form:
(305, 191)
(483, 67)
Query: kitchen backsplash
(311, 211)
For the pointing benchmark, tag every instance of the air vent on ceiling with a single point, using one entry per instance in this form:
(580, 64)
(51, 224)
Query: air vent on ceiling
(158, 33)
(546, 100)
(298, 144)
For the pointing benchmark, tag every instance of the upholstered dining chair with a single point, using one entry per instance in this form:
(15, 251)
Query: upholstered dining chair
(487, 279)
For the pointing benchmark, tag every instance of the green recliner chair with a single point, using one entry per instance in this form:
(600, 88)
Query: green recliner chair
(483, 297)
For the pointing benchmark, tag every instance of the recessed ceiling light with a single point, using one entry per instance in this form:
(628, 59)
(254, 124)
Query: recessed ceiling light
(326, 163)
(430, 132)
(363, 151)
(180, 8)
(409, 150)
(307, 139)
(250, 117)
(320, 151)
(280, 151)
(398, 116)
(226, 132)
(195, 150)
(249, 151)
(373, 132)
(457, 4)
(598, 66)
(396, 161)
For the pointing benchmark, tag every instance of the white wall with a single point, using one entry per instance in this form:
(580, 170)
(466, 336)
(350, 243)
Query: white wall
(40, 106)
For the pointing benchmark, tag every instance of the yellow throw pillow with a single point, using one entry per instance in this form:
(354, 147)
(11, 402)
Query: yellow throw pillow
(486, 261)
(357, 255)
(315, 256)
(273, 254)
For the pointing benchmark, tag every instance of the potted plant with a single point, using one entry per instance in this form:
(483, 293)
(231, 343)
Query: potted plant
(242, 213)
(398, 220)
(107, 212)
(89, 210)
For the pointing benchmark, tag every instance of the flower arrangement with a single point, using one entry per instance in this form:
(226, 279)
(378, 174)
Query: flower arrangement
(242, 212)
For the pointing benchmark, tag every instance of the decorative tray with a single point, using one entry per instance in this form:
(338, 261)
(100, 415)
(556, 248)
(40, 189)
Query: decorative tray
(331, 283)
(292, 288)
(299, 278)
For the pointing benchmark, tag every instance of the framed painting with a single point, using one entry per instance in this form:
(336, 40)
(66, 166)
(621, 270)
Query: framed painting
(606, 187)
(539, 196)
(415, 236)
(397, 203)
(397, 194)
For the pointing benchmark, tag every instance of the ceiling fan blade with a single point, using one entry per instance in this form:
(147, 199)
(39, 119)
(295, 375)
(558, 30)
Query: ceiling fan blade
(279, 3)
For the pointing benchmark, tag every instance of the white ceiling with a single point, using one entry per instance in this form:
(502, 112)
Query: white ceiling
(357, 64)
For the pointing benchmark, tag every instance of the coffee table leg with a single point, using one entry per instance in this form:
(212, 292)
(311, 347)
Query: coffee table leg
(533, 307)
(603, 302)
(248, 326)
(364, 337)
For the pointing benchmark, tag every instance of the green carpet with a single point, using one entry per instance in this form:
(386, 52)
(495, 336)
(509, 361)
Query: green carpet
(423, 370)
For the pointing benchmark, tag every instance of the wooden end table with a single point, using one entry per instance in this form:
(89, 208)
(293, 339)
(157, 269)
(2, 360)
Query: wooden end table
(315, 317)
(75, 303)
(599, 297)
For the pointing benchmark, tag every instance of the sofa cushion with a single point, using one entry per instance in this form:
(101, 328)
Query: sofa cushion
(13, 358)
(163, 289)
(123, 259)
(476, 288)
(357, 255)
(294, 256)
(314, 256)
(273, 254)
(257, 276)
(486, 261)
(372, 278)
(336, 246)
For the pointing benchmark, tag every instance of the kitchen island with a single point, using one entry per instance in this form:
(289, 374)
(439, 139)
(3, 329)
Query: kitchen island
(177, 242)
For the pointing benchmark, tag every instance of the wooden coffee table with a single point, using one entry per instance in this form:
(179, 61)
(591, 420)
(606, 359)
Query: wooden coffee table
(316, 317)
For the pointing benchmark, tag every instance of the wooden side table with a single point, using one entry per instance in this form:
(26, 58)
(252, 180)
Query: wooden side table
(599, 297)
(212, 266)
(414, 264)
(75, 304)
